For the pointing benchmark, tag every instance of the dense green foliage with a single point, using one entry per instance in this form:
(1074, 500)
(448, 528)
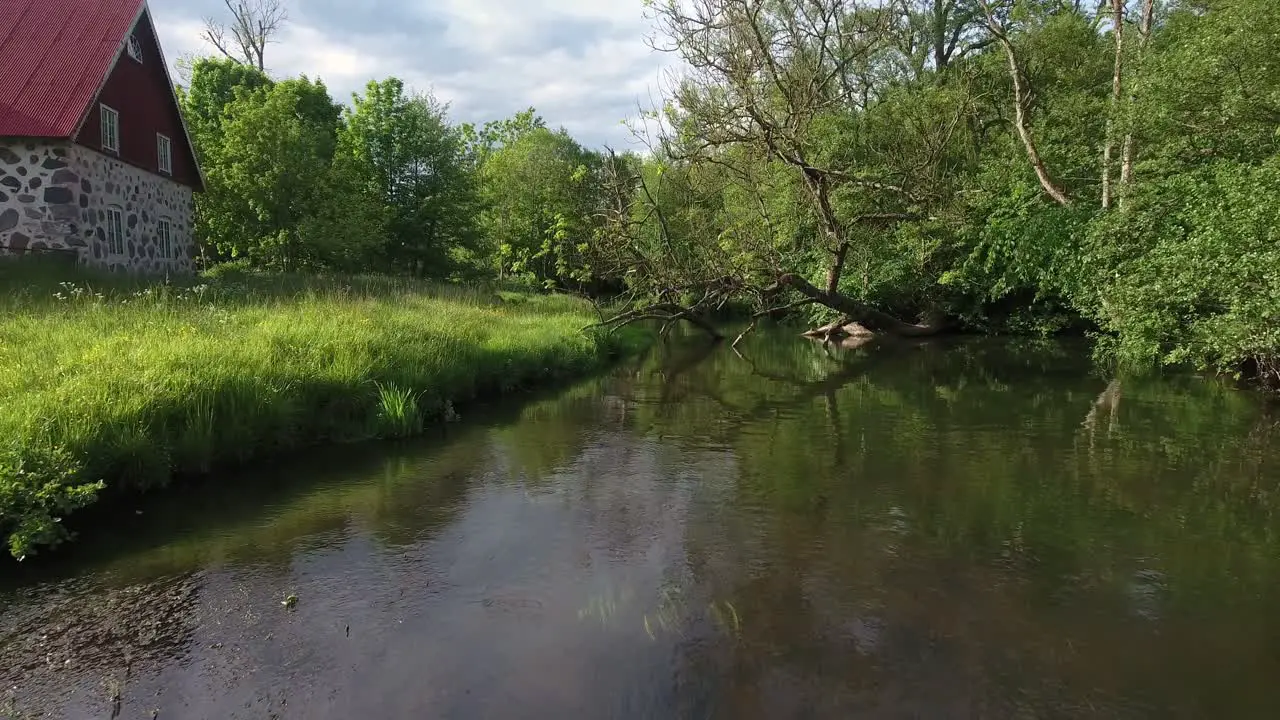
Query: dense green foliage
(1010, 165)
(953, 156)
(387, 184)
(116, 386)
(1004, 165)
(412, 163)
(539, 205)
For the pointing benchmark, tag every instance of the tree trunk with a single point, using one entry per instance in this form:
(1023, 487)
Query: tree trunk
(1020, 104)
(855, 311)
(835, 231)
(845, 327)
(831, 296)
(1117, 19)
(1126, 163)
(837, 267)
(939, 36)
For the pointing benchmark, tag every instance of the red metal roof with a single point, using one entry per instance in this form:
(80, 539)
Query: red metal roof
(54, 55)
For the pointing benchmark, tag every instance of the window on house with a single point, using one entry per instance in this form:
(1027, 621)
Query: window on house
(115, 231)
(164, 154)
(134, 47)
(164, 237)
(110, 129)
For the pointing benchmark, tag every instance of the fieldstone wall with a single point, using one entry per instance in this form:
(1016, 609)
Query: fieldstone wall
(37, 201)
(54, 196)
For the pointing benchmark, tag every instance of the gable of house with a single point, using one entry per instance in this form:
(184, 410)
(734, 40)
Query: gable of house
(138, 90)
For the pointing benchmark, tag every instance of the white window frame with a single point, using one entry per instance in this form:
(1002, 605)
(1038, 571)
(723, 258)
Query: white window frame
(164, 238)
(115, 231)
(110, 128)
(133, 46)
(164, 154)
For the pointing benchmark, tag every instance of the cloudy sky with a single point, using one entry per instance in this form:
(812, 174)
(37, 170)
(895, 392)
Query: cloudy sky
(583, 64)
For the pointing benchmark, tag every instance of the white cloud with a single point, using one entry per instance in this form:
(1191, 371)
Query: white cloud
(583, 64)
(315, 53)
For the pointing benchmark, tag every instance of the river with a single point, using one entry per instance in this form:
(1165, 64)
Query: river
(950, 529)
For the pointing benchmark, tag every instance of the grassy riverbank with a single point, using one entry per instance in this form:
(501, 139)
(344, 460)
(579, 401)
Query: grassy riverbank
(111, 386)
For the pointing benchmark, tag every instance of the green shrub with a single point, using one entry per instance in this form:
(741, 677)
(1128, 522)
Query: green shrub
(1190, 273)
(39, 485)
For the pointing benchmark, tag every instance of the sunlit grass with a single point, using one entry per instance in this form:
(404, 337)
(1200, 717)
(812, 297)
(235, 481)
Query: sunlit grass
(110, 379)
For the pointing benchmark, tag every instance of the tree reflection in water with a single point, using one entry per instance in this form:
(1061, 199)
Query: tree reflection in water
(925, 529)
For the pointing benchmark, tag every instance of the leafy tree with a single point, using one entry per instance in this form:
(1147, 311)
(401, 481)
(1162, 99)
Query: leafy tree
(650, 212)
(879, 159)
(767, 85)
(1002, 165)
(413, 161)
(214, 84)
(481, 142)
(540, 191)
(1210, 87)
(269, 173)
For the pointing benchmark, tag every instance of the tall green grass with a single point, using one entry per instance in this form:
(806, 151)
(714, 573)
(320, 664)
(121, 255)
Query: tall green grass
(112, 385)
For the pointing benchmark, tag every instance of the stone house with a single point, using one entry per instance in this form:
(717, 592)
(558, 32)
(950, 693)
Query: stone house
(95, 158)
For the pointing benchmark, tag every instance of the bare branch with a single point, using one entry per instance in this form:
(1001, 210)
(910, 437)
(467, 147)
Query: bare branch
(254, 25)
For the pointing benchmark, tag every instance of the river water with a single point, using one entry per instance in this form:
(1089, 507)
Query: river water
(951, 529)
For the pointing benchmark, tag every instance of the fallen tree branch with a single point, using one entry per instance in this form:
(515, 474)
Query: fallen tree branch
(669, 313)
(743, 334)
(864, 315)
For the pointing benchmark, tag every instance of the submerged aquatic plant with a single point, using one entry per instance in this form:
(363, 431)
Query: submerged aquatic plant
(672, 611)
(115, 693)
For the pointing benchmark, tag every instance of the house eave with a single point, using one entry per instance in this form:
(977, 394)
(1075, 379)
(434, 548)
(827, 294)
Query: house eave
(173, 90)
